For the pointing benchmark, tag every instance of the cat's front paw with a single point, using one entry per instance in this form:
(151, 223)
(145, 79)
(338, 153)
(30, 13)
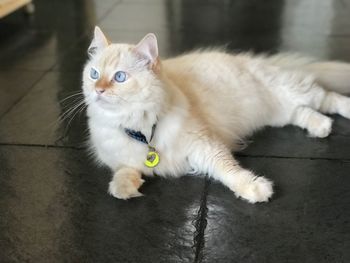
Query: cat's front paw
(257, 189)
(125, 184)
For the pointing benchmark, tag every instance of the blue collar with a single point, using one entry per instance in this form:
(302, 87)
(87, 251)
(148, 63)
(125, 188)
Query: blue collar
(139, 136)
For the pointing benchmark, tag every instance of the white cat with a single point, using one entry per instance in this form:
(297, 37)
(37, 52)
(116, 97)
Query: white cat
(186, 114)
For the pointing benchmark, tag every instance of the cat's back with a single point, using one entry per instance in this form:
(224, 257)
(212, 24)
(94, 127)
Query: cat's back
(207, 70)
(204, 64)
(210, 76)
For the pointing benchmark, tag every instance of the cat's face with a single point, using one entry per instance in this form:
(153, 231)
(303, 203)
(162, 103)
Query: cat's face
(117, 75)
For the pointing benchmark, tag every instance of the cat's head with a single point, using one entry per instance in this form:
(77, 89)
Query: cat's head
(117, 76)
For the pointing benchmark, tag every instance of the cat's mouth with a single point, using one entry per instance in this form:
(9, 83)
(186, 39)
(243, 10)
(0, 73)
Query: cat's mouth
(107, 101)
(102, 99)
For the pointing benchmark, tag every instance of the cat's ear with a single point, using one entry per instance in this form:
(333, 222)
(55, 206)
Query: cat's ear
(148, 48)
(98, 43)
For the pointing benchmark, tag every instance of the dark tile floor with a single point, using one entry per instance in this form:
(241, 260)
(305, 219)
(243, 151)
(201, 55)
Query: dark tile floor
(53, 201)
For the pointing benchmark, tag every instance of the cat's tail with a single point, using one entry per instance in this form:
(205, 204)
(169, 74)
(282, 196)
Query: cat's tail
(331, 75)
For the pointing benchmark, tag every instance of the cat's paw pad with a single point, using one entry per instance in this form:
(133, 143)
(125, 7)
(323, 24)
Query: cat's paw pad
(257, 190)
(322, 129)
(126, 185)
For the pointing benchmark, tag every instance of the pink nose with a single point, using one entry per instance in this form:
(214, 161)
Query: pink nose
(100, 91)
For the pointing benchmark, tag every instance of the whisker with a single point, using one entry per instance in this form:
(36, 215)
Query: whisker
(78, 111)
(66, 114)
(71, 96)
(70, 111)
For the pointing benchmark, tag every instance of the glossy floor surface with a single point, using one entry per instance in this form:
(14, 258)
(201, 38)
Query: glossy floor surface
(54, 205)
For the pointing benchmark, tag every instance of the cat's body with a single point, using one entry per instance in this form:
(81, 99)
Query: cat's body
(202, 104)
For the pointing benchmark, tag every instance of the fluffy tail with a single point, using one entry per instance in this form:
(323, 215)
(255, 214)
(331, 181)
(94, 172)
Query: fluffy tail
(331, 75)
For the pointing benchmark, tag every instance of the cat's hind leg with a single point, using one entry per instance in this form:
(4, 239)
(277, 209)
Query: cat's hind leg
(315, 100)
(317, 124)
(335, 103)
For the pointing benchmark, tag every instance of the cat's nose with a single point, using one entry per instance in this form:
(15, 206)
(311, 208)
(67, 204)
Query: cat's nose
(99, 91)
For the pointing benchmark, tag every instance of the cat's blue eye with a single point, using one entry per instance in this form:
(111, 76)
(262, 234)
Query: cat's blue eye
(94, 74)
(120, 76)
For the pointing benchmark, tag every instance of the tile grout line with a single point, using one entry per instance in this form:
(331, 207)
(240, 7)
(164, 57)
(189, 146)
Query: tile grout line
(238, 155)
(42, 146)
(290, 157)
(26, 93)
(201, 224)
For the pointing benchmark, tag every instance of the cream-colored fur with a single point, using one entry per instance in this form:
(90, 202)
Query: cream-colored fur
(204, 104)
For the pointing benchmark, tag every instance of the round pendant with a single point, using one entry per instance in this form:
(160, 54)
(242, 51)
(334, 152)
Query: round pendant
(152, 159)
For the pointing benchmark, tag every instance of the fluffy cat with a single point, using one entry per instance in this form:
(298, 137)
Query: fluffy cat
(196, 108)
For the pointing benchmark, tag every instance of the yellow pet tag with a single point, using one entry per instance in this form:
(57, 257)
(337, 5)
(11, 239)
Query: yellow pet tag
(152, 159)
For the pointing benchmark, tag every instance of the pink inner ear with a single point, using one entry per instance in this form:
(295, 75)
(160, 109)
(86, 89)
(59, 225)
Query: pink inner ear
(99, 41)
(148, 47)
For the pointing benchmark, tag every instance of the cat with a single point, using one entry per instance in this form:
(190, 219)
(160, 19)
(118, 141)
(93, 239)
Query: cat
(185, 115)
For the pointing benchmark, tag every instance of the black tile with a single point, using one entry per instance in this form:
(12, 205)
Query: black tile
(306, 221)
(14, 85)
(55, 208)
